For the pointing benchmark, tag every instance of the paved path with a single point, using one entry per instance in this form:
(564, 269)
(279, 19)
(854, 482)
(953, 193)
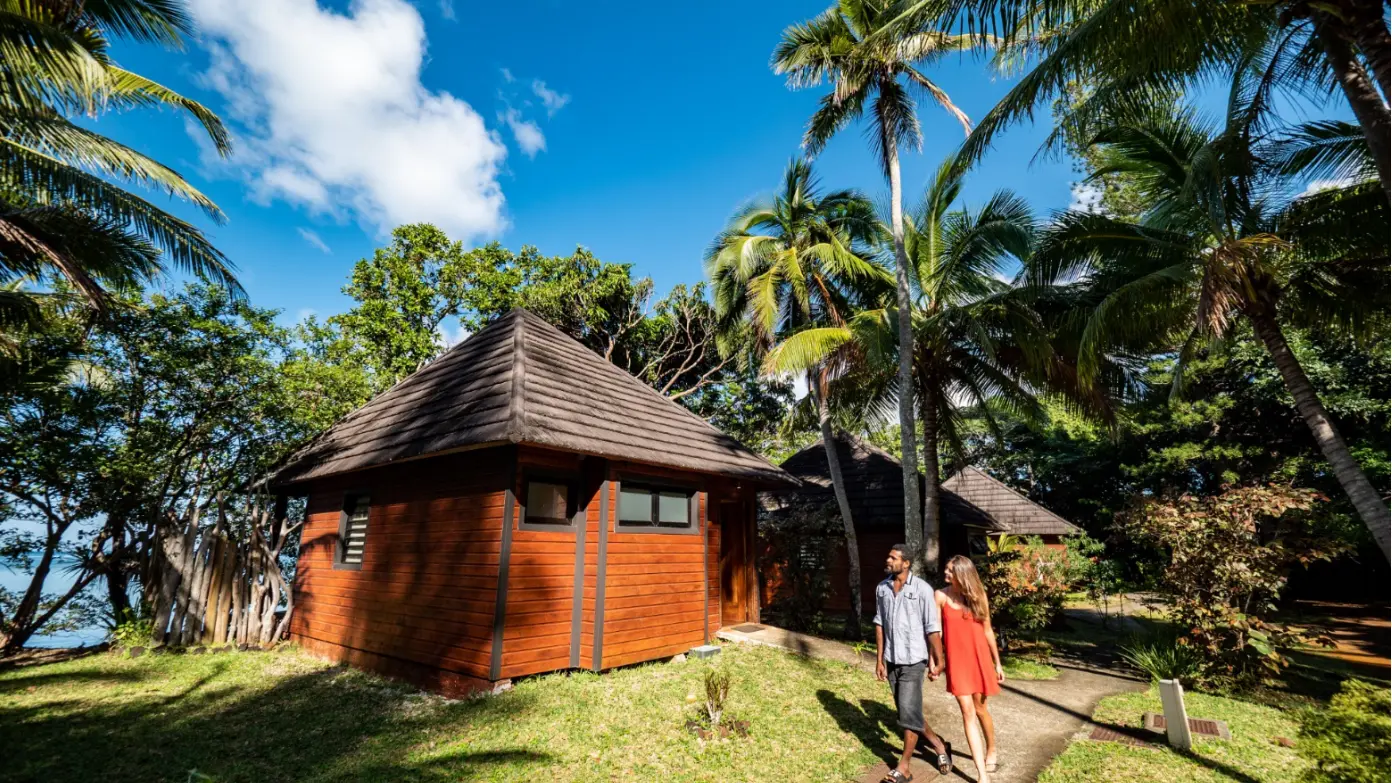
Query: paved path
(1034, 719)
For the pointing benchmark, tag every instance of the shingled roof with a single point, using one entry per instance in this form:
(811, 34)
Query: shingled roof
(972, 492)
(874, 487)
(521, 380)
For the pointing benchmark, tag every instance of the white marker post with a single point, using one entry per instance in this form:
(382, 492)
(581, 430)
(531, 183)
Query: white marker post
(1176, 719)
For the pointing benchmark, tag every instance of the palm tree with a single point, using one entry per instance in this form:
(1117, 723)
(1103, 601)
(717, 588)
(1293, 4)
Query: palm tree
(59, 209)
(871, 58)
(794, 263)
(1127, 52)
(1221, 241)
(978, 347)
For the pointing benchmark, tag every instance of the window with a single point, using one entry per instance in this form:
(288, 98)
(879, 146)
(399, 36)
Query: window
(352, 534)
(656, 509)
(549, 502)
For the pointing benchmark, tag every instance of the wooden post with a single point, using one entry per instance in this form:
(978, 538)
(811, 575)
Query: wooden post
(1176, 719)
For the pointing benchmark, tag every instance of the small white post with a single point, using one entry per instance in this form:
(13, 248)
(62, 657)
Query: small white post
(1176, 719)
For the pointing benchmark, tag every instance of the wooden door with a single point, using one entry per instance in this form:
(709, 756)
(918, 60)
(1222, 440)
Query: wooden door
(734, 556)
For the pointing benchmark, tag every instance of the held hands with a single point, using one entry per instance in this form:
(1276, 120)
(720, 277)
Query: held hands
(880, 671)
(934, 671)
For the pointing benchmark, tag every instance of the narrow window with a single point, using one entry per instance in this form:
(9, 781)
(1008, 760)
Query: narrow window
(549, 503)
(656, 509)
(353, 530)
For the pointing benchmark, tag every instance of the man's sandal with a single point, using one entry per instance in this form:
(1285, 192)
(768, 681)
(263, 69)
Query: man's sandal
(895, 776)
(945, 759)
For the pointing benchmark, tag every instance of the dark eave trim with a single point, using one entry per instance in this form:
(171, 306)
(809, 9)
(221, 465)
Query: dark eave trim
(495, 666)
(597, 655)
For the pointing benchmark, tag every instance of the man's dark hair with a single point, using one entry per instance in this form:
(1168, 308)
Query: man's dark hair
(903, 550)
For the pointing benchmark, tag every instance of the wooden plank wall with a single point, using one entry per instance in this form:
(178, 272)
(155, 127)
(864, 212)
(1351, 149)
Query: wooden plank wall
(426, 591)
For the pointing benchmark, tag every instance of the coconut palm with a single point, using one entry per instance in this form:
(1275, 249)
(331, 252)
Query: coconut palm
(978, 347)
(872, 60)
(1126, 51)
(792, 263)
(1221, 241)
(61, 211)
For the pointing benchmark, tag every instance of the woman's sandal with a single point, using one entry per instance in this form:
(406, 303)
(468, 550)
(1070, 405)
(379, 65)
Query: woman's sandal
(895, 776)
(991, 767)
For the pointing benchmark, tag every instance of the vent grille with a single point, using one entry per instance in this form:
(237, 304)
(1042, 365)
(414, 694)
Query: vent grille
(355, 533)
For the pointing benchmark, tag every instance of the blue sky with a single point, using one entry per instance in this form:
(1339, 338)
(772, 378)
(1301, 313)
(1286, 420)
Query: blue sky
(657, 122)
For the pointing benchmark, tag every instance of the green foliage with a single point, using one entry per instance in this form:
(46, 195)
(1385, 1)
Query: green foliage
(1349, 739)
(1228, 559)
(796, 548)
(1163, 656)
(134, 627)
(1026, 583)
(717, 684)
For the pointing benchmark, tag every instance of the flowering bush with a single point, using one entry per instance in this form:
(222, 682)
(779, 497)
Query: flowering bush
(1026, 582)
(1228, 559)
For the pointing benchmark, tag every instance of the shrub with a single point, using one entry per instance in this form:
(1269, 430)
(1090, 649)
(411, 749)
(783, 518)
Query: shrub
(1164, 657)
(1026, 582)
(134, 627)
(797, 547)
(1348, 740)
(1229, 555)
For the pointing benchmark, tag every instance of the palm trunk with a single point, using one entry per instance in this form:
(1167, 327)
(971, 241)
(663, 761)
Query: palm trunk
(932, 485)
(903, 301)
(1370, 32)
(1360, 491)
(843, 504)
(1367, 105)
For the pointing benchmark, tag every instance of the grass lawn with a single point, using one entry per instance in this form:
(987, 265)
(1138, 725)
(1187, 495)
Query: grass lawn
(1252, 755)
(285, 716)
(1027, 669)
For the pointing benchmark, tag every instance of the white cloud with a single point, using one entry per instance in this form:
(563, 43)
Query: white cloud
(332, 115)
(447, 10)
(451, 336)
(1086, 198)
(527, 133)
(552, 100)
(314, 239)
(304, 314)
(507, 75)
(1328, 184)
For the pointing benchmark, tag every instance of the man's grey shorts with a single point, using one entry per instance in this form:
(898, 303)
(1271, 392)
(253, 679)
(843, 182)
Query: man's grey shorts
(906, 681)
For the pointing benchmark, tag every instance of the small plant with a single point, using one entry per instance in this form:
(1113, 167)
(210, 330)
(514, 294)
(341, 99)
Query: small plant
(1348, 740)
(1164, 657)
(717, 692)
(134, 627)
(861, 648)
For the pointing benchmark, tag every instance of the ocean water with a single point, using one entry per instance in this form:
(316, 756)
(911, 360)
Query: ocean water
(59, 580)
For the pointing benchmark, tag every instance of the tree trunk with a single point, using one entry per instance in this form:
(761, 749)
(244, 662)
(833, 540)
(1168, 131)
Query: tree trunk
(1369, 31)
(1351, 477)
(903, 301)
(932, 484)
(1367, 105)
(843, 504)
(21, 622)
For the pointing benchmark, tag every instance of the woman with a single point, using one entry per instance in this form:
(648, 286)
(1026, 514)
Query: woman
(973, 661)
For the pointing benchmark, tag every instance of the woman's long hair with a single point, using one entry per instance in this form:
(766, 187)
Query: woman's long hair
(968, 583)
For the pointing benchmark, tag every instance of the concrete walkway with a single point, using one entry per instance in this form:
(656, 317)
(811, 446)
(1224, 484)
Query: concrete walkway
(1035, 719)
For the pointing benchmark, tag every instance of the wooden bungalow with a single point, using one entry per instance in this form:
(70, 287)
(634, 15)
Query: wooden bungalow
(520, 505)
(975, 508)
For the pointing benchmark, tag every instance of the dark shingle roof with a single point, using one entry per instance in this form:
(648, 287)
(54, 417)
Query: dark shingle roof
(874, 485)
(974, 492)
(521, 380)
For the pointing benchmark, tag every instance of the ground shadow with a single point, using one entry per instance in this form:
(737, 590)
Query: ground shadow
(866, 722)
(326, 725)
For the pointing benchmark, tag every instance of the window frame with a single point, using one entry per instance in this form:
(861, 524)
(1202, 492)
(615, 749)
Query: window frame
(350, 502)
(656, 486)
(544, 524)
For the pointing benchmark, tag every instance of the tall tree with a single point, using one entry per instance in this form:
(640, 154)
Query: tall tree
(977, 344)
(871, 52)
(795, 263)
(63, 211)
(1217, 243)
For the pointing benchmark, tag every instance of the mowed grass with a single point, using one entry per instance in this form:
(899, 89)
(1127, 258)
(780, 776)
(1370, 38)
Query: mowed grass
(1027, 669)
(1253, 755)
(282, 715)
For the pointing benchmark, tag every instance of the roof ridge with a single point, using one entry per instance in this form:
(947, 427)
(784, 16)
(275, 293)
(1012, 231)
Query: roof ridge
(1017, 493)
(516, 424)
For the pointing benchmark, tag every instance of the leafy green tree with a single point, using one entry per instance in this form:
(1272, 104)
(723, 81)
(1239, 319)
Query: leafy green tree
(976, 342)
(796, 263)
(1212, 250)
(63, 210)
(865, 49)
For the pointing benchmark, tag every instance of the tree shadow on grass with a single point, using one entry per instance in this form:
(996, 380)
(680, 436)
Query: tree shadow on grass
(16, 684)
(866, 722)
(327, 725)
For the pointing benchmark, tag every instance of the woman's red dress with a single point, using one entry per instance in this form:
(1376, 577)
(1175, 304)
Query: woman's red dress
(969, 665)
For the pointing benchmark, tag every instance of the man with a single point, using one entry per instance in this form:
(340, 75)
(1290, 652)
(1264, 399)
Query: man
(908, 640)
